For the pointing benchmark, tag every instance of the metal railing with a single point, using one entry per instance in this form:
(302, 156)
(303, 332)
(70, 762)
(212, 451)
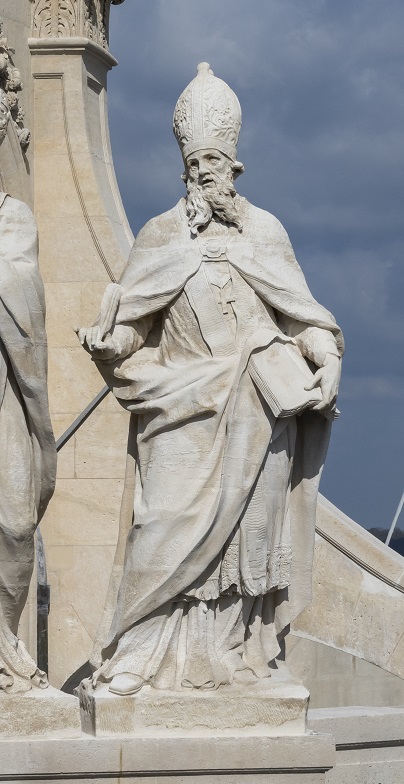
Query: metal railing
(395, 519)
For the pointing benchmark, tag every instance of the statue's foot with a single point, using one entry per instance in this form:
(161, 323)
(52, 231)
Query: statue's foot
(126, 683)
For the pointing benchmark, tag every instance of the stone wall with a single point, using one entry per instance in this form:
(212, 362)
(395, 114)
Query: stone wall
(16, 167)
(85, 241)
(347, 646)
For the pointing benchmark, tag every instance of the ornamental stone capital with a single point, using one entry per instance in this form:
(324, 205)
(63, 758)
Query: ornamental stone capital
(72, 18)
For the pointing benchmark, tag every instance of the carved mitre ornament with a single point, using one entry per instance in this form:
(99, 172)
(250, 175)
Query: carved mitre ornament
(207, 115)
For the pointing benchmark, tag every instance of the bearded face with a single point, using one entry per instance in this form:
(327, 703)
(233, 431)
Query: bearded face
(210, 189)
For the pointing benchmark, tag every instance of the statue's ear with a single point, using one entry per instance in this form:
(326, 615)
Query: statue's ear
(238, 168)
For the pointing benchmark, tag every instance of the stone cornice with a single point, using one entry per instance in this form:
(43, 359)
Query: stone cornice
(70, 45)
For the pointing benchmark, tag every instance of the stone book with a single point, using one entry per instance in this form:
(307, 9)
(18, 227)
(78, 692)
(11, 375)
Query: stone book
(282, 375)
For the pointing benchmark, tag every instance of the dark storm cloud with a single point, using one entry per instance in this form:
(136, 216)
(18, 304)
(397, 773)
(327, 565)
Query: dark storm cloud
(320, 84)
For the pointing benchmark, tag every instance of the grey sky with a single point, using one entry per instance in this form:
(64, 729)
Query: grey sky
(320, 85)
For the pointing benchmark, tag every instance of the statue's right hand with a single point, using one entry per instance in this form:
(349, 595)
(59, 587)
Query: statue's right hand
(88, 337)
(99, 349)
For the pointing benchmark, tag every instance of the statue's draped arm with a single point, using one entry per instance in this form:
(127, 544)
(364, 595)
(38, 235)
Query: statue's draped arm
(314, 342)
(22, 332)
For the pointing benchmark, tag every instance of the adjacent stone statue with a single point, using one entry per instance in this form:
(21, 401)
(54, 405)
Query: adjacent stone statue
(27, 447)
(230, 369)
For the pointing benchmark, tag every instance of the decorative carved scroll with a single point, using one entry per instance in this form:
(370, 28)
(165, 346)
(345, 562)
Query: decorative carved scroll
(10, 87)
(65, 18)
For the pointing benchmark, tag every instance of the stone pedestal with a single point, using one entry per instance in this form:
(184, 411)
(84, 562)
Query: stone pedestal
(271, 707)
(239, 734)
(38, 713)
(201, 759)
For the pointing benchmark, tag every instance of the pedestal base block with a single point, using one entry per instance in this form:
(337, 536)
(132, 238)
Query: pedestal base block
(271, 706)
(158, 759)
(39, 712)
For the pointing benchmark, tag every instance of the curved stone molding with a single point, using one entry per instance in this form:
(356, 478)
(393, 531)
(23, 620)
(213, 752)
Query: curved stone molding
(10, 86)
(358, 593)
(65, 18)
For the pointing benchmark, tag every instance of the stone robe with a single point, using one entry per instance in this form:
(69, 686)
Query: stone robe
(27, 446)
(218, 516)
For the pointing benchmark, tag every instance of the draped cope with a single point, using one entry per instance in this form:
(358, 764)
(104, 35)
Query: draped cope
(221, 487)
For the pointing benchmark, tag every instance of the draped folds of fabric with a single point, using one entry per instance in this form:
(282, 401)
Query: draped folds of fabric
(26, 438)
(216, 544)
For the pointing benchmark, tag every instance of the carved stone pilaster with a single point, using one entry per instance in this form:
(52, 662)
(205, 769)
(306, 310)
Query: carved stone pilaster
(72, 18)
(10, 88)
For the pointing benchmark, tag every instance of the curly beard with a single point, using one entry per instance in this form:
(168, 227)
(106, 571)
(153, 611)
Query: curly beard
(214, 198)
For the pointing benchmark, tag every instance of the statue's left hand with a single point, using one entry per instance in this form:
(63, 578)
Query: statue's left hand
(327, 378)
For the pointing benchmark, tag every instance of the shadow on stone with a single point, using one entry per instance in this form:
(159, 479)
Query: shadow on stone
(74, 680)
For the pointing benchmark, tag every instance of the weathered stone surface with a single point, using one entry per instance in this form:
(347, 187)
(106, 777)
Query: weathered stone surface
(76, 572)
(92, 455)
(336, 593)
(335, 678)
(274, 706)
(362, 545)
(369, 743)
(356, 725)
(358, 601)
(369, 752)
(38, 713)
(198, 759)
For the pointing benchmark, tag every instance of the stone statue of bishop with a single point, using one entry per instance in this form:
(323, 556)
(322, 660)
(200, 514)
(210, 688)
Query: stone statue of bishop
(230, 370)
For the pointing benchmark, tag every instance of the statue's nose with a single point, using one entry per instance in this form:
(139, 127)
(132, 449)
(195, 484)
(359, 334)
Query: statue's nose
(204, 168)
